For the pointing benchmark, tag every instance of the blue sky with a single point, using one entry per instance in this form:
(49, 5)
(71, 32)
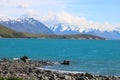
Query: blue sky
(92, 10)
(98, 10)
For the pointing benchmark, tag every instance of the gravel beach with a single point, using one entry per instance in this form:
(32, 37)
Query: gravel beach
(28, 70)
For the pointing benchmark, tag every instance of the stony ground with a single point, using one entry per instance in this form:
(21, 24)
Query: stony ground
(28, 71)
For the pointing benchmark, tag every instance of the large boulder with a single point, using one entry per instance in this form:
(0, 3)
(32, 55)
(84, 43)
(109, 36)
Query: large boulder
(24, 58)
(66, 62)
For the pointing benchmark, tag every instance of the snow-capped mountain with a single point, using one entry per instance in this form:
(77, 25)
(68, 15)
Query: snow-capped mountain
(65, 23)
(31, 25)
(26, 24)
(64, 29)
(71, 29)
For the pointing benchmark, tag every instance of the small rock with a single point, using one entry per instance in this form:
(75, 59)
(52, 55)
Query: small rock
(89, 76)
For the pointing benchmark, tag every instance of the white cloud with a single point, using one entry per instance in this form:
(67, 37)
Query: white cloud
(33, 3)
(19, 7)
(33, 13)
(63, 17)
(23, 6)
(4, 17)
(53, 18)
(35, 7)
(82, 23)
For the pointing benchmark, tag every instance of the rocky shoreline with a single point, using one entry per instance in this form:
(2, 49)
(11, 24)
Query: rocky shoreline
(27, 70)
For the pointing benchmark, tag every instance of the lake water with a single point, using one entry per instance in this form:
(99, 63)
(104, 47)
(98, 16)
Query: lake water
(93, 56)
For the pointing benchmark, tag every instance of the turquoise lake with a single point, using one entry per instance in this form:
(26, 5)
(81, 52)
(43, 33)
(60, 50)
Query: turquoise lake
(93, 56)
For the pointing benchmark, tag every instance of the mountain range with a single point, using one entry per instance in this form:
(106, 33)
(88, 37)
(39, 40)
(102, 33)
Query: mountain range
(33, 26)
(9, 33)
(71, 29)
(26, 24)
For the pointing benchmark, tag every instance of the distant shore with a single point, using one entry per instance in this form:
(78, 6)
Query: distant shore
(32, 70)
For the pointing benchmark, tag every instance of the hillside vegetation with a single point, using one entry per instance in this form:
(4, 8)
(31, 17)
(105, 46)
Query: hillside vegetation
(9, 33)
(70, 36)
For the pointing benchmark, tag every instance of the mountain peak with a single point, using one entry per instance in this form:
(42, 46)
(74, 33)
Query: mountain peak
(26, 19)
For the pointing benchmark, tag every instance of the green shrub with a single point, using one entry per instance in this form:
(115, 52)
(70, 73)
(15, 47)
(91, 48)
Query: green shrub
(1, 78)
(11, 78)
(14, 78)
